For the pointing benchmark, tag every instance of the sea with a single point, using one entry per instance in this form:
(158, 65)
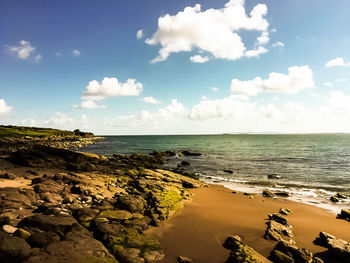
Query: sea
(310, 167)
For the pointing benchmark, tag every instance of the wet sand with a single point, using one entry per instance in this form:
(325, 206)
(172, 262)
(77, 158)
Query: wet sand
(198, 230)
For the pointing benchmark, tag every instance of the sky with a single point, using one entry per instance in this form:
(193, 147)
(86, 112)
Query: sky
(176, 67)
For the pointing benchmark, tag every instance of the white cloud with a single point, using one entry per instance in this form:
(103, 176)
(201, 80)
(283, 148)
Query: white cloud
(111, 87)
(278, 44)
(297, 79)
(89, 104)
(38, 58)
(212, 30)
(214, 89)
(273, 30)
(4, 108)
(256, 52)
(199, 59)
(264, 38)
(64, 121)
(328, 84)
(231, 106)
(150, 100)
(76, 53)
(139, 34)
(337, 62)
(24, 50)
(164, 114)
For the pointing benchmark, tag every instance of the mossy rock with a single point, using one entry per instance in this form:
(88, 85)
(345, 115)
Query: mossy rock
(132, 239)
(116, 214)
(241, 255)
(280, 257)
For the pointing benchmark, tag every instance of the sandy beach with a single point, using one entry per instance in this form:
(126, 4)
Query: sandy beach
(198, 230)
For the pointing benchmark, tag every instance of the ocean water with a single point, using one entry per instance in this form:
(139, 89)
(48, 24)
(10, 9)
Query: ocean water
(312, 167)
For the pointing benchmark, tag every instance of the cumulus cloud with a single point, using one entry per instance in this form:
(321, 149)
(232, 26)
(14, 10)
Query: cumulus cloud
(256, 52)
(145, 118)
(139, 34)
(4, 108)
(111, 87)
(76, 53)
(23, 51)
(328, 84)
(341, 80)
(339, 103)
(231, 106)
(150, 100)
(89, 104)
(64, 121)
(214, 89)
(337, 62)
(214, 30)
(297, 79)
(199, 59)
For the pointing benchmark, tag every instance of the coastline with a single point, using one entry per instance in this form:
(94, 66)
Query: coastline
(134, 211)
(200, 228)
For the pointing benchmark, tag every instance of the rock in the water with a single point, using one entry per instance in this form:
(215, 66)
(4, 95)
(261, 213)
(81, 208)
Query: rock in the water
(341, 196)
(185, 163)
(282, 194)
(13, 249)
(181, 259)
(188, 153)
(228, 171)
(334, 199)
(268, 193)
(274, 176)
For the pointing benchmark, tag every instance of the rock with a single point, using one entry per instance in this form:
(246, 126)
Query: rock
(279, 218)
(337, 247)
(282, 194)
(228, 171)
(4, 220)
(344, 214)
(275, 230)
(24, 234)
(185, 163)
(274, 176)
(116, 214)
(153, 256)
(42, 239)
(181, 259)
(9, 229)
(341, 196)
(128, 255)
(285, 211)
(279, 257)
(299, 255)
(268, 193)
(57, 224)
(7, 175)
(334, 199)
(132, 203)
(13, 249)
(241, 253)
(188, 153)
(85, 214)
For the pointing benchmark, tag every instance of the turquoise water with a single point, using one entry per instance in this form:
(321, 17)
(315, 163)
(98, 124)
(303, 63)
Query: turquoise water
(312, 167)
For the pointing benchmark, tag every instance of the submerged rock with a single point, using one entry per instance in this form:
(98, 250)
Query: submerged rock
(188, 153)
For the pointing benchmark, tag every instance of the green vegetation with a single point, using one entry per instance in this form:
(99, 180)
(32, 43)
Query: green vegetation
(21, 131)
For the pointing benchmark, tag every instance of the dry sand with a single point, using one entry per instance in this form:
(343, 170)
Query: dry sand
(198, 230)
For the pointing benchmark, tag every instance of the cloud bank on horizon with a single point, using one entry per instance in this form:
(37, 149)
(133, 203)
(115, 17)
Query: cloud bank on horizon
(206, 68)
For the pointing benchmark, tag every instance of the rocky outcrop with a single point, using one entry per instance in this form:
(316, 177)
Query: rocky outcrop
(241, 253)
(13, 249)
(278, 228)
(337, 247)
(344, 214)
(285, 252)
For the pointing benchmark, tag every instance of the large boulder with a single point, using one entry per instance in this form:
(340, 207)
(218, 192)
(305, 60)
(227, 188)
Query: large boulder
(13, 249)
(338, 248)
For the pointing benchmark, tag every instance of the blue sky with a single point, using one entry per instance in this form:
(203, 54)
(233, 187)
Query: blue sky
(282, 68)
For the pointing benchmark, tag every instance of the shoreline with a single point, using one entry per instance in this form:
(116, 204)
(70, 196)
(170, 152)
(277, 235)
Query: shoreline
(200, 228)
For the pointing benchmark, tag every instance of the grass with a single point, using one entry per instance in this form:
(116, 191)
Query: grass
(21, 131)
